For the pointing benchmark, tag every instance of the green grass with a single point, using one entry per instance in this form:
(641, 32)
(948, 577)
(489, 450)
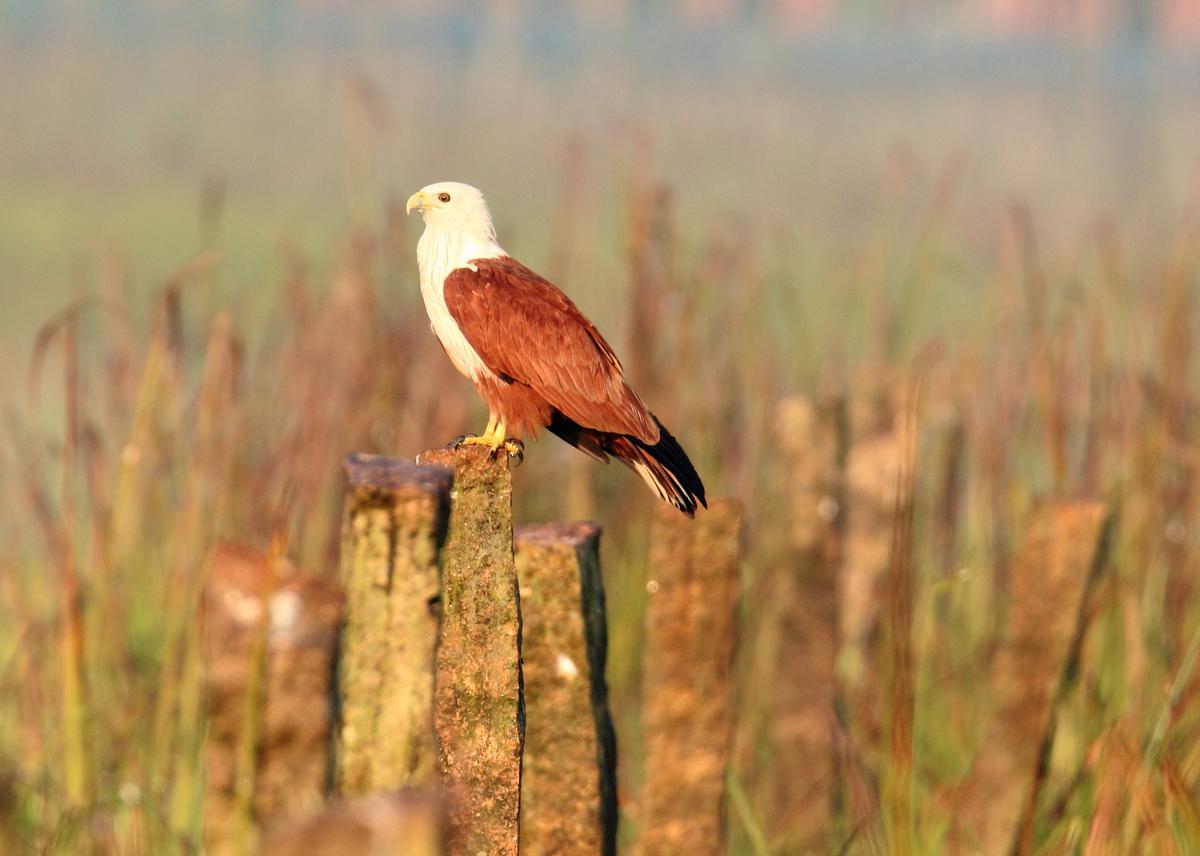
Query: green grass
(819, 241)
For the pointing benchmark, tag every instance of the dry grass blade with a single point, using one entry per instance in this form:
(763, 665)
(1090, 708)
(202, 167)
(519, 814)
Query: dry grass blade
(650, 248)
(1113, 763)
(60, 324)
(1062, 553)
(58, 531)
(897, 802)
(1183, 806)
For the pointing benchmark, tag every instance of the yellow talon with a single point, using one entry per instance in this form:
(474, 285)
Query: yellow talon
(495, 437)
(515, 449)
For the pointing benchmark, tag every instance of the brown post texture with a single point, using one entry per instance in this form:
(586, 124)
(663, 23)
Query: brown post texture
(687, 719)
(408, 822)
(394, 523)
(1063, 548)
(569, 788)
(479, 710)
(270, 640)
(874, 460)
(804, 612)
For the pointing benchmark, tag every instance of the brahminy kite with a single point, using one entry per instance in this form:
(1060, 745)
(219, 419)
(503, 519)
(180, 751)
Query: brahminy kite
(535, 359)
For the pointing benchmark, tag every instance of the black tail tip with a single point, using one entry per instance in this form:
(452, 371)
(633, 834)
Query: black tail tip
(676, 478)
(689, 504)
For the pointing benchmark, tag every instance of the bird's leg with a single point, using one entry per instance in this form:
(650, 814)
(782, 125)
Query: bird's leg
(489, 433)
(495, 437)
(487, 438)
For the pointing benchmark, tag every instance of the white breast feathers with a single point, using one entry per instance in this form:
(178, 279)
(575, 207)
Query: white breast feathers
(439, 253)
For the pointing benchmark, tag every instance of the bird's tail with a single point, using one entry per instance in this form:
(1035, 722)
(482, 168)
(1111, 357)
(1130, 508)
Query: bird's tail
(664, 466)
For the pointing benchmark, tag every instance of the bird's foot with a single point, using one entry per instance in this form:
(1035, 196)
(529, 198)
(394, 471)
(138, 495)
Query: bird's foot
(514, 448)
(470, 440)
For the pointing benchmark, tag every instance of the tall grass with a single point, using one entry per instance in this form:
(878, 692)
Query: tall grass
(205, 425)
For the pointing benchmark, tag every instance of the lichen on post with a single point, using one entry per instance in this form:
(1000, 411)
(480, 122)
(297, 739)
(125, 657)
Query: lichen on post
(568, 790)
(688, 715)
(394, 525)
(479, 710)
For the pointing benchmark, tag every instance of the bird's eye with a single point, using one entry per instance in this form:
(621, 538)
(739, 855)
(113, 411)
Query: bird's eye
(443, 197)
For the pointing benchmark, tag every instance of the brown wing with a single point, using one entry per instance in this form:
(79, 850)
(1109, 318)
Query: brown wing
(525, 329)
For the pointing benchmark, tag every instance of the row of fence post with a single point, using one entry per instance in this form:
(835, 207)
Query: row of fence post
(469, 712)
(470, 681)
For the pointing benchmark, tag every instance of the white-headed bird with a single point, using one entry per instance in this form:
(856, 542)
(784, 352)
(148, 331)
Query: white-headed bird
(535, 359)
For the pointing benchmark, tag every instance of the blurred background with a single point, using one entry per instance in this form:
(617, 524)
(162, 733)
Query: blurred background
(969, 227)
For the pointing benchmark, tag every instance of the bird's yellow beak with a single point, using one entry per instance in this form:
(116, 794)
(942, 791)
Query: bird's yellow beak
(416, 201)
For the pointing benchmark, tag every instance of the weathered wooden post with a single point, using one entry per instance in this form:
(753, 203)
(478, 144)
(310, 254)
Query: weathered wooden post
(411, 822)
(873, 461)
(1062, 551)
(804, 614)
(270, 637)
(567, 804)
(688, 714)
(395, 521)
(478, 707)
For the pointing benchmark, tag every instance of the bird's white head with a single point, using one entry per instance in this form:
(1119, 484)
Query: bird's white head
(457, 208)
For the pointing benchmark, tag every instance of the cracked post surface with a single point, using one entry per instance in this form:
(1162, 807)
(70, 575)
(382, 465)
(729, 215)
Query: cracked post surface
(478, 705)
(394, 525)
(568, 791)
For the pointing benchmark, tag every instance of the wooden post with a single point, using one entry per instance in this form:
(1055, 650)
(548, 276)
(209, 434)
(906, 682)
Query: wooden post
(479, 710)
(800, 777)
(409, 822)
(567, 804)
(874, 460)
(1062, 550)
(688, 686)
(394, 524)
(270, 636)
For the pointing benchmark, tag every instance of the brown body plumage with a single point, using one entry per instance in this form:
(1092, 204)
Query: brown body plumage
(536, 361)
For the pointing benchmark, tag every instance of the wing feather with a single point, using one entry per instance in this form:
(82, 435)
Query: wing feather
(526, 330)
